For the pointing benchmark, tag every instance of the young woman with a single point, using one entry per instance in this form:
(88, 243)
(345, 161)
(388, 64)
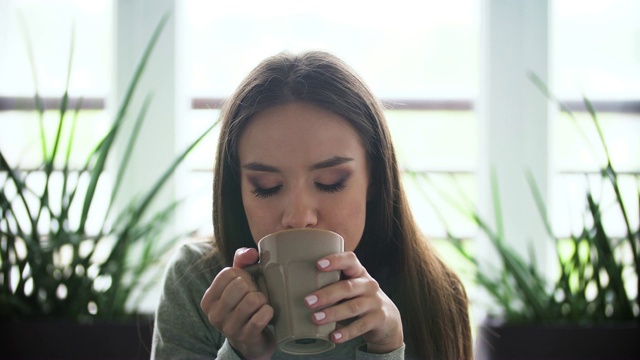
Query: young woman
(304, 143)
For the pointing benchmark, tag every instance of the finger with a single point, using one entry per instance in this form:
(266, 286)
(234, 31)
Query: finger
(245, 257)
(219, 311)
(340, 291)
(220, 283)
(259, 320)
(346, 262)
(350, 309)
(224, 294)
(250, 304)
(245, 319)
(234, 293)
(254, 333)
(356, 328)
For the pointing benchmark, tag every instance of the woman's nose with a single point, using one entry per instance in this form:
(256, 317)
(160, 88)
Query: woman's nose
(300, 211)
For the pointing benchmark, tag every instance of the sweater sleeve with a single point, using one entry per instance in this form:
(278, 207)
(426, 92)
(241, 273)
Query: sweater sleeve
(397, 354)
(181, 329)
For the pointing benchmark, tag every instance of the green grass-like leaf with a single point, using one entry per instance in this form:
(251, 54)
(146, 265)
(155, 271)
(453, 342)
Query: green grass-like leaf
(50, 265)
(589, 286)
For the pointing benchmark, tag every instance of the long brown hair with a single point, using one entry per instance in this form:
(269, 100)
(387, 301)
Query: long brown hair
(431, 298)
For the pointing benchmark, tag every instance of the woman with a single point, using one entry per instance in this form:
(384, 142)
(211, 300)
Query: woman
(305, 144)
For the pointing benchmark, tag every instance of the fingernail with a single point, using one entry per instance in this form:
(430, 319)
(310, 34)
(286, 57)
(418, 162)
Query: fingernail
(337, 336)
(323, 263)
(319, 315)
(311, 299)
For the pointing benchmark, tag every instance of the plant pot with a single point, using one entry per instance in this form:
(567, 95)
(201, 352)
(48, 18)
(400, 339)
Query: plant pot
(49, 339)
(558, 341)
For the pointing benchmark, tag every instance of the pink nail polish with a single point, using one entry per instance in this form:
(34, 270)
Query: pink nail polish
(337, 336)
(319, 316)
(323, 263)
(311, 299)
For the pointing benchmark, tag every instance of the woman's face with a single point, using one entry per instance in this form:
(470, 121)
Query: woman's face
(303, 167)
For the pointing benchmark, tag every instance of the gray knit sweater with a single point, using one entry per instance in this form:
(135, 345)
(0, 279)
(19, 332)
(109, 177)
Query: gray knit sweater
(182, 330)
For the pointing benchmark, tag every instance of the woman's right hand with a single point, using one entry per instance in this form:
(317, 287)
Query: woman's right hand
(235, 307)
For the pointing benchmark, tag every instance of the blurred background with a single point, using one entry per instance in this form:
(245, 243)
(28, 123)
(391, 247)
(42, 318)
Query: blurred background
(454, 75)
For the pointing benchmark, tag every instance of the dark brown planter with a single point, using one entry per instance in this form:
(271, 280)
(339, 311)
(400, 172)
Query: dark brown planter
(65, 340)
(558, 342)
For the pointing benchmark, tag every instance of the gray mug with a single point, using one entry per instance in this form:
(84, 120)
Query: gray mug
(287, 273)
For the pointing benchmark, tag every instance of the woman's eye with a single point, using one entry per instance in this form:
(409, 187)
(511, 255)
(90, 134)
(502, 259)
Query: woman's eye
(265, 193)
(331, 188)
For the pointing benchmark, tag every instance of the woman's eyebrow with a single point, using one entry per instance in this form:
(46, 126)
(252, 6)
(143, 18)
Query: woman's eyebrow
(334, 161)
(256, 166)
(331, 162)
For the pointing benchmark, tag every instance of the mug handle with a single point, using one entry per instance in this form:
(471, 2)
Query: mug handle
(255, 271)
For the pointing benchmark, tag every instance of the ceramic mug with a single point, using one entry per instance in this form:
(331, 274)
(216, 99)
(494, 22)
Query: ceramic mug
(287, 273)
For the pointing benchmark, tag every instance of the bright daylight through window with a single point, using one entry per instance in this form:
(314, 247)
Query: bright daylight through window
(422, 58)
(422, 61)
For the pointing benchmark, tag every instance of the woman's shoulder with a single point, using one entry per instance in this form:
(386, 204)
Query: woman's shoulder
(196, 249)
(193, 260)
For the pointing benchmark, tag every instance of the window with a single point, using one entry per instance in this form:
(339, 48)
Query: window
(50, 39)
(595, 54)
(86, 25)
(419, 57)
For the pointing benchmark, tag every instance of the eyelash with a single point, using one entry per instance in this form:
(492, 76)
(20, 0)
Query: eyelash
(266, 193)
(330, 189)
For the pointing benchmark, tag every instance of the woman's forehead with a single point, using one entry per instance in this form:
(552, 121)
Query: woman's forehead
(284, 131)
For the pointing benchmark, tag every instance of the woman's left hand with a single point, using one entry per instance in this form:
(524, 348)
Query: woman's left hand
(359, 297)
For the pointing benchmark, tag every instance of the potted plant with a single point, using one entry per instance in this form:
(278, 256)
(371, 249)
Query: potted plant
(590, 308)
(61, 282)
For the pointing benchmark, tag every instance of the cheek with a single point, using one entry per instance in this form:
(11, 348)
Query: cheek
(351, 216)
(257, 217)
